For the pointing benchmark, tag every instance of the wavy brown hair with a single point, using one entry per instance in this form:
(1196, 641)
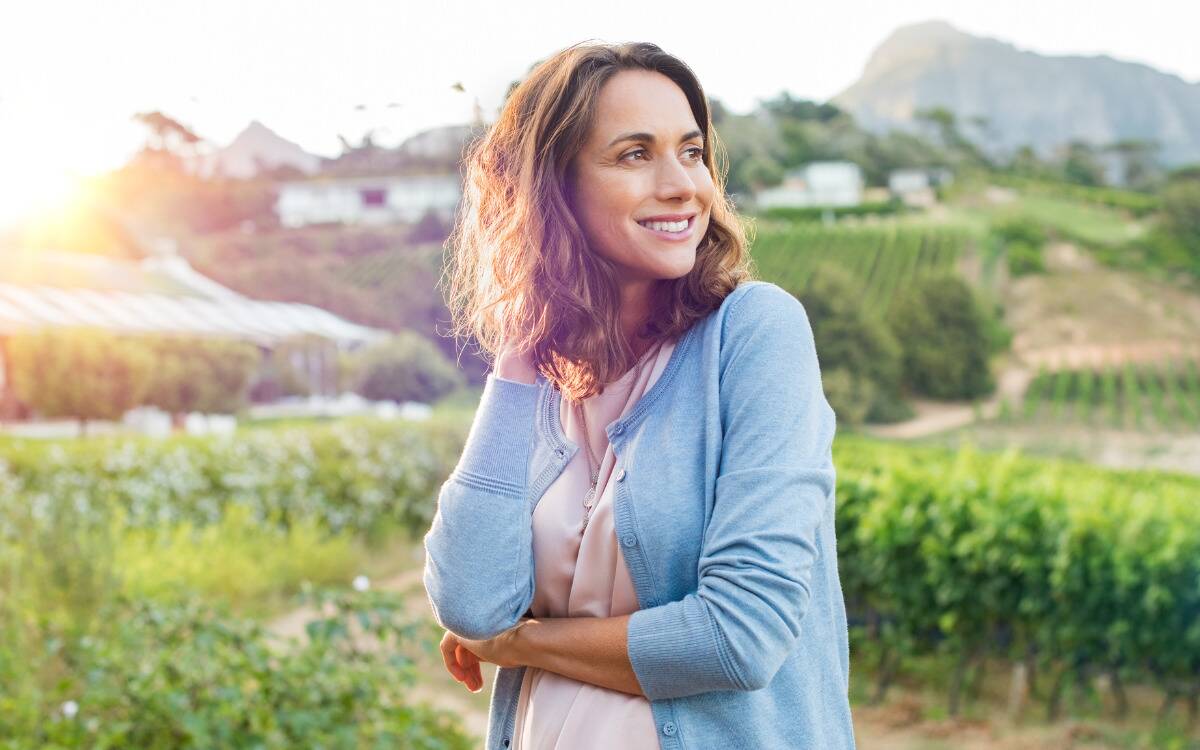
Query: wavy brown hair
(519, 266)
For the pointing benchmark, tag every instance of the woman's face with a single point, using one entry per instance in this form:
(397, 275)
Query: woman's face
(640, 187)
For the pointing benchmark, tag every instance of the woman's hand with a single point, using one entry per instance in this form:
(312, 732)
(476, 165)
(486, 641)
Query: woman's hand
(463, 655)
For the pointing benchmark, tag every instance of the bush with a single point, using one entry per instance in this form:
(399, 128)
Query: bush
(1020, 229)
(405, 367)
(1024, 258)
(945, 338)
(1072, 569)
(191, 675)
(197, 374)
(859, 353)
(85, 373)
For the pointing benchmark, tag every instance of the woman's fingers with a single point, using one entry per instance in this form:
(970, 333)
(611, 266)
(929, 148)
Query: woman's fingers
(469, 663)
(448, 647)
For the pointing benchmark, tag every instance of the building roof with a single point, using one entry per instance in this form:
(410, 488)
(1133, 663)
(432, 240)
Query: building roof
(155, 295)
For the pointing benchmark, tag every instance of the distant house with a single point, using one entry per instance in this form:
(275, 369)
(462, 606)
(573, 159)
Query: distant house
(368, 200)
(821, 183)
(915, 186)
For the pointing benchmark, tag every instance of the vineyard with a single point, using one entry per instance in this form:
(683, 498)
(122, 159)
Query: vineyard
(884, 258)
(1151, 397)
(974, 561)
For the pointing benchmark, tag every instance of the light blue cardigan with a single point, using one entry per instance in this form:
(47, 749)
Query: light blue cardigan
(724, 509)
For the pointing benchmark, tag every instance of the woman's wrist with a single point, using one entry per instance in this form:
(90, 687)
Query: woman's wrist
(520, 637)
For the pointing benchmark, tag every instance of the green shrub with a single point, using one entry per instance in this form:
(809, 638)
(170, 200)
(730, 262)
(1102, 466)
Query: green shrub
(945, 339)
(1068, 567)
(85, 373)
(860, 359)
(1024, 258)
(198, 374)
(190, 675)
(405, 367)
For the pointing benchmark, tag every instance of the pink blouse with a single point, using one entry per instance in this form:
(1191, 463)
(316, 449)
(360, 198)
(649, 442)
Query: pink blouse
(580, 572)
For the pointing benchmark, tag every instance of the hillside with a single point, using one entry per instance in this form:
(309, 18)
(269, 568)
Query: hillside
(1026, 97)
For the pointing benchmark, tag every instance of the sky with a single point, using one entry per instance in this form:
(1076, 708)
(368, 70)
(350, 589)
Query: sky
(72, 74)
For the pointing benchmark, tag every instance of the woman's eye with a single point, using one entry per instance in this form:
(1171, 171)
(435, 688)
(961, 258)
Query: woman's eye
(699, 153)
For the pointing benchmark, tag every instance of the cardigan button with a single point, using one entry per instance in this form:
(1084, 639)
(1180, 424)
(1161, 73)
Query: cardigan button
(669, 728)
(621, 475)
(629, 540)
(559, 452)
(618, 429)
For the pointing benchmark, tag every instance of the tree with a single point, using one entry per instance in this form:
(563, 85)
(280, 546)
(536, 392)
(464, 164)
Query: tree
(405, 367)
(169, 141)
(945, 339)
(85, 373)
(860, 359)
(205, 375)
(1080, 165)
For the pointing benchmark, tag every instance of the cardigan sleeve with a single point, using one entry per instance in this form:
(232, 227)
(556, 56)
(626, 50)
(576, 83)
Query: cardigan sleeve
(478, 550)
(774, 485)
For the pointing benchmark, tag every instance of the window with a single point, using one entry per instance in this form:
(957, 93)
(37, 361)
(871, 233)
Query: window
(374, 196)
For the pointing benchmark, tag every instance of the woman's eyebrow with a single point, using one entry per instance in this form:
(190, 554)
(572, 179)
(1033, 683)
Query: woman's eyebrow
(649, 137)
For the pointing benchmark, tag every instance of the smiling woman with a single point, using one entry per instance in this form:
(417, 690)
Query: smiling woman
(639, 532)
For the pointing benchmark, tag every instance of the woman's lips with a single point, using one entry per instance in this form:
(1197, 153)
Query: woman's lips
(672, 236)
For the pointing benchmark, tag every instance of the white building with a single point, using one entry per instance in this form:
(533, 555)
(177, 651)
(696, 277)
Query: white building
(821, 183)
(916, 186)
(367, 200)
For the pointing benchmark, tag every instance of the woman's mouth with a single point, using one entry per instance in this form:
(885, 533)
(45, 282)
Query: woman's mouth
(670, 230)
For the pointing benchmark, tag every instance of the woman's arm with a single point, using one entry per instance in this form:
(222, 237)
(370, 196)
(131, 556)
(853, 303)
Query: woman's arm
(589, 649)
(479, 549)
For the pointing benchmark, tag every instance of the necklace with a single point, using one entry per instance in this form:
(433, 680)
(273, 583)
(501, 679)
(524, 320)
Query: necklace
(590, 498)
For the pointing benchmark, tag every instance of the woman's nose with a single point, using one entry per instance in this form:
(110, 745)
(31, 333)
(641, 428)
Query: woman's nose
(674, 181)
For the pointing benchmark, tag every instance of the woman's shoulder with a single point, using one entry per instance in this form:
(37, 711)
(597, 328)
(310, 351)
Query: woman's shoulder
(756, 301)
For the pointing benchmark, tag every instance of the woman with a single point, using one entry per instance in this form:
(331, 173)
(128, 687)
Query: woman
(639, 532)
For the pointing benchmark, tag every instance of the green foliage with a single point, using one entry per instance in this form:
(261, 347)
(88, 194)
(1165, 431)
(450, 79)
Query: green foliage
(1181, 212)
(1024, 258)
(88, 527)
(1019, 228)
(860, 359)
(817, 213)
(191, 675)
(94, 374)
(972, 555)
(198, 374)
(1136, 203)
(1021, 239)
(882, 258)
(945, 338)
(405, 367)
(1159, 397)
(86, 373)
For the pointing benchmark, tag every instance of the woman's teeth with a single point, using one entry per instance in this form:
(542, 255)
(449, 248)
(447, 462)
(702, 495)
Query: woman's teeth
(665, 226)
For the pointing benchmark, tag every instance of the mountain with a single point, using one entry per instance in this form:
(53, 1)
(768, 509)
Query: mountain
(1026, 97)
(255, 148)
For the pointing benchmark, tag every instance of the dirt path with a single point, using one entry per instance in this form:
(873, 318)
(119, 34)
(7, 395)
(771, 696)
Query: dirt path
(933, 417)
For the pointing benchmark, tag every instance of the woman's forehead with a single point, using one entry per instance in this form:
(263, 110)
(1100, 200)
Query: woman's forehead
(642, 102)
